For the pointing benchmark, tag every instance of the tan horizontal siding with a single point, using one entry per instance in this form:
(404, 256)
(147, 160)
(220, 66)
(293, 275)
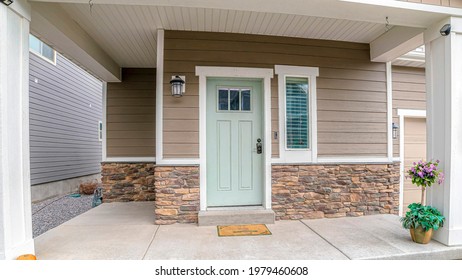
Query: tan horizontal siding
(447, 3)
(408, 93)
(351, 89)
(131, 114)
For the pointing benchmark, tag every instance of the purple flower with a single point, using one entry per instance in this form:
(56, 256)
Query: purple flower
(425, 172)
(440, 178)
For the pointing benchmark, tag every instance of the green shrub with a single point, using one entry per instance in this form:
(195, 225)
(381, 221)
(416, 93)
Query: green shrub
(425, 216)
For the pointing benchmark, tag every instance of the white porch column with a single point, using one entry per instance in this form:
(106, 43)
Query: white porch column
(444, 124)
(15, 201)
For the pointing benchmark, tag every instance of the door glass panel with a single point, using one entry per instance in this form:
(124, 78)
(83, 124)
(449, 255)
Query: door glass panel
(245, 99)
(234, 100)
(223, 99)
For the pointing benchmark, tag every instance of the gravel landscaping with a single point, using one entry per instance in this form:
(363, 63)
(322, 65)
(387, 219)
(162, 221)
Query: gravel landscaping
(55, 211)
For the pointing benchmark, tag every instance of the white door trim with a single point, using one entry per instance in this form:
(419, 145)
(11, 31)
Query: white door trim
(234, 72)
(404, 113)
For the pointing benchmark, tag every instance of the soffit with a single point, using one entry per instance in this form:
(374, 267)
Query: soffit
(128, 32)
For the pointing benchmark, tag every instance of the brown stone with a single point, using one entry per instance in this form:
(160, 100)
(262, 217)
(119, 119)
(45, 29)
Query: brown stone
(192, 196)
(335, 215)
(183, 184)
(354, 197)
(334, 190)
(166, 212)
(314, 215)
(128, 182)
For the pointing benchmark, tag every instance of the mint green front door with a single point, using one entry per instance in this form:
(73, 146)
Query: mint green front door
(234, 126)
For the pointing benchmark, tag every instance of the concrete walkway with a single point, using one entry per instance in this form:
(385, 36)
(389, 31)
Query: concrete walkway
(126, 231)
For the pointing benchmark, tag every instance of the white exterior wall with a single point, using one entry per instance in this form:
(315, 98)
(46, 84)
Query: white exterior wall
(15, 201)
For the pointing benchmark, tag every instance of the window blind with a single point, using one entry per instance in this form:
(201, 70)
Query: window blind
(297, 113)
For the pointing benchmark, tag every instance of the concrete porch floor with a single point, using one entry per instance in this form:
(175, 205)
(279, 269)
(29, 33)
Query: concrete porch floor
(126, 231)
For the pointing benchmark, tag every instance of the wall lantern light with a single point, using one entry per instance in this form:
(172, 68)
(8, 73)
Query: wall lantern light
(395, 130)
(178, 86)
(7, 2)
(445, 30)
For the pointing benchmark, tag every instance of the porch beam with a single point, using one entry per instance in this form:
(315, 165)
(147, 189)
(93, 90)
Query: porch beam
(444, 124)
(395, 43)
(55, 27)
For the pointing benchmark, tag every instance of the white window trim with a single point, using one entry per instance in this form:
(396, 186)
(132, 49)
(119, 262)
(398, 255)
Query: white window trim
(42, 56)
(297, 155)
(234, 72)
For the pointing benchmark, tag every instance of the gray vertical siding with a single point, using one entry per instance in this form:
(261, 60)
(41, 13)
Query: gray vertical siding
(63, 126)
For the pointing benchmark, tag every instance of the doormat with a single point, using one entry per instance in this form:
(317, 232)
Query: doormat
(243, 230)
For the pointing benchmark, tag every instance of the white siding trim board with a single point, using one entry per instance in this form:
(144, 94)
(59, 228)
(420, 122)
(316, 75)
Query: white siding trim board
(389, 112)
(129, 159)
(160, 96)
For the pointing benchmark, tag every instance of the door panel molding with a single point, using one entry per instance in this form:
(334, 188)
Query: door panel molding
(234, 166)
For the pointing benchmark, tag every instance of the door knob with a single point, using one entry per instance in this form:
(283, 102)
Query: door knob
(259, 146)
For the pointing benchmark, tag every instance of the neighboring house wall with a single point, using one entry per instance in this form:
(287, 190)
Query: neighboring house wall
(131, 112)
(448, 3)
(408, 93)
(351, 90)
(65, 108)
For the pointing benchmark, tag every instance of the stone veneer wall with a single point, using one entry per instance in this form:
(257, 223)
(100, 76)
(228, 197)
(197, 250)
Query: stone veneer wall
(298, 191)
(128, 182)
(177, 194)
(329, 191)
(175, 189)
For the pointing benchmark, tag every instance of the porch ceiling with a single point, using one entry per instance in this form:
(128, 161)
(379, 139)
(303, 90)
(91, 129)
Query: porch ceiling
(128, 32)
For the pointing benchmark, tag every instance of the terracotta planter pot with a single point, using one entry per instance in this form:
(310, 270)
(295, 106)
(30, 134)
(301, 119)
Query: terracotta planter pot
(419, 235)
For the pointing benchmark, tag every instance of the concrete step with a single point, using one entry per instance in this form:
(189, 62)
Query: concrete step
(237, 216)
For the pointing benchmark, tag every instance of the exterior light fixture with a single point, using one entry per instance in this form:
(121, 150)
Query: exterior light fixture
(445, 30)
(7, 2)
(395, 128)
(178, 86)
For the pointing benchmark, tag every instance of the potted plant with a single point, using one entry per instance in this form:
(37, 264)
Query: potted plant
(422, 220)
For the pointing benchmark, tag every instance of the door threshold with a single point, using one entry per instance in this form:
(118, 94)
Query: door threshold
(236, 208)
